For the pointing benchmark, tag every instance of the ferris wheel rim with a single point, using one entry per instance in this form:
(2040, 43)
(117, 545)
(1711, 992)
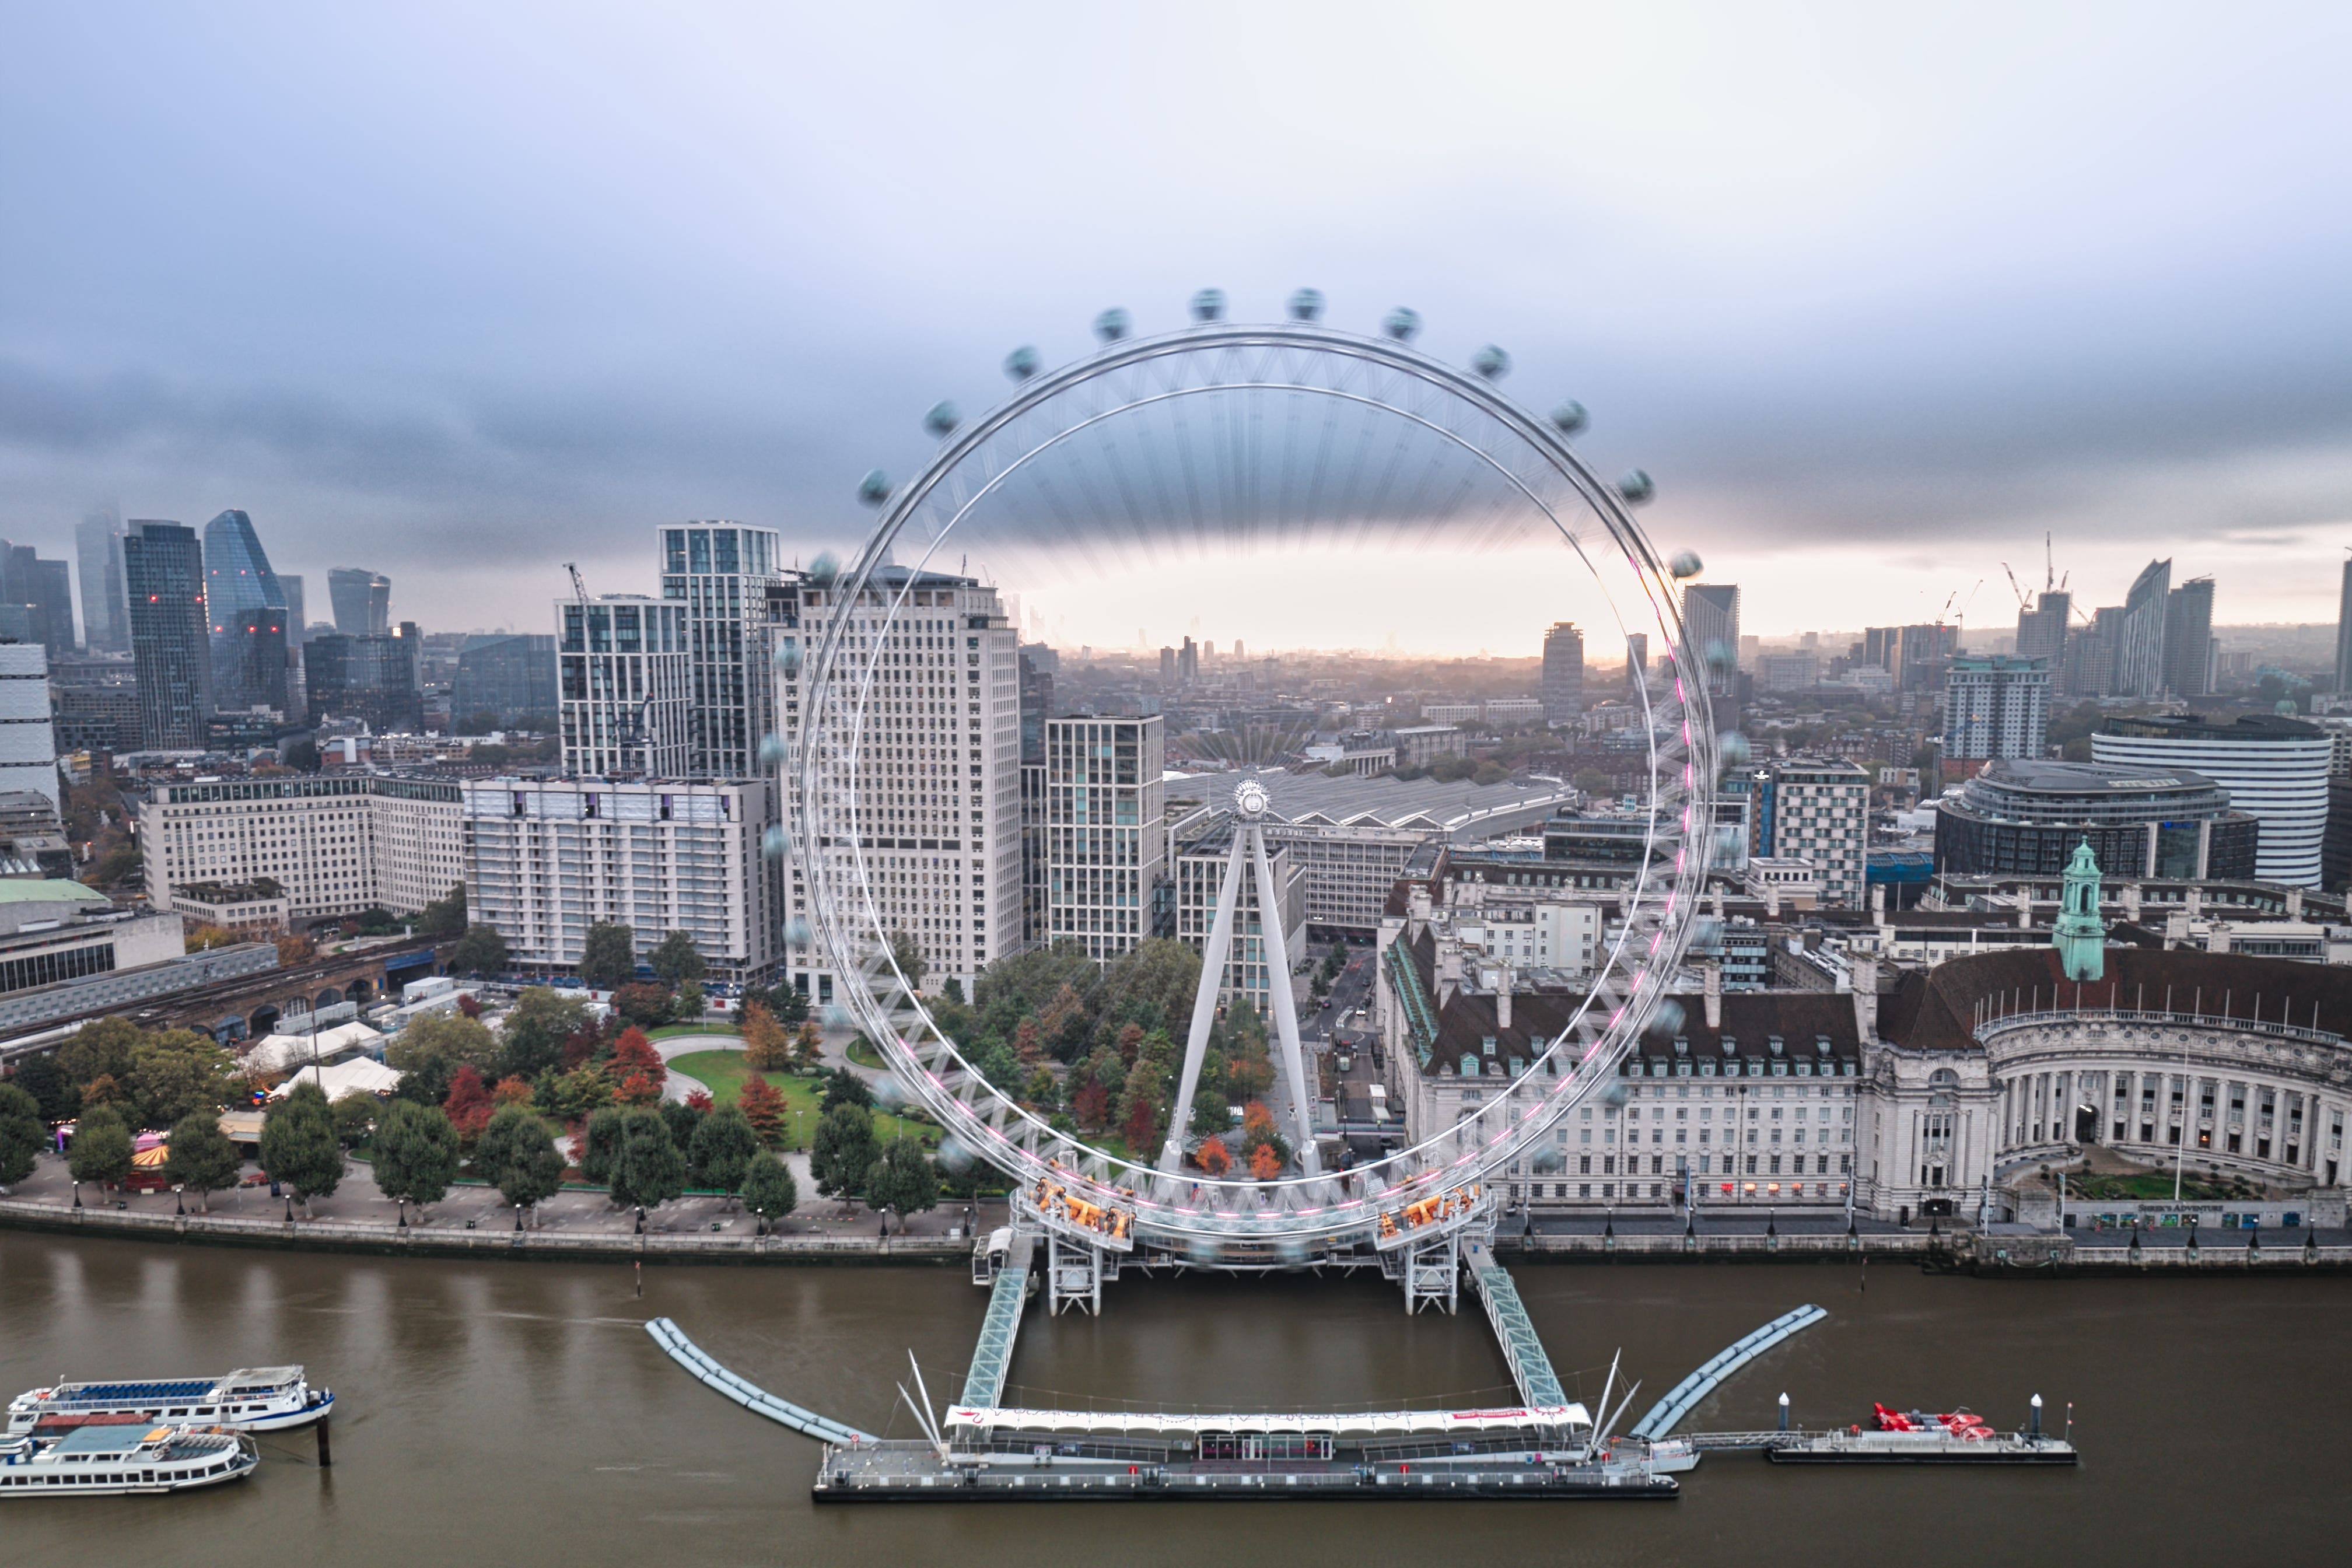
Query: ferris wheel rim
(1418, 1166)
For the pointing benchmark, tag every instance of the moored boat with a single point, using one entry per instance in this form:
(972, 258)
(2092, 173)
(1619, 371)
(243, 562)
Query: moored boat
(252, 1399)
(102, 1457)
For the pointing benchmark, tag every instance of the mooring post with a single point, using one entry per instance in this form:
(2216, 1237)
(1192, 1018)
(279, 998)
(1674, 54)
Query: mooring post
(1784, 1412)
(2036, 1427)
(641, 1277)
(326, 1447)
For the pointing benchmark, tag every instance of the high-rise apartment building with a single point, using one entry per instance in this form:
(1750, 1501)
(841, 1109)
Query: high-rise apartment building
(105, 610)
(1921, 655)
(1188, 663)
(2041, 630)
(729, 577)
(549, 858)
(1995, 706)
(1106, 833)
(296, 628)
(2139, 655)
(1563, 673)
(1249, 979)
(1711, 622)
(1637, 659)
(2188, 638)
(163, 570)
(1819, 811)
(238, 582)
(2343, 631)
(937, 774)
(626, 685)
(361, 601)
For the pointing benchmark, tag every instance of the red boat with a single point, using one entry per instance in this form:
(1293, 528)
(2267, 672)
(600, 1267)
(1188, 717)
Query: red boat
(1965, 1424)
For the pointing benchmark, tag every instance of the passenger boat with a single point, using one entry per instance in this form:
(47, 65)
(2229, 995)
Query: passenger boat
(252, 1399)
(1965, 1424)
(97, 1457)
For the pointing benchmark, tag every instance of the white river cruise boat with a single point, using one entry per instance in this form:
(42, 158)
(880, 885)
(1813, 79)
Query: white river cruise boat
(253, 1399)
(111, 1458)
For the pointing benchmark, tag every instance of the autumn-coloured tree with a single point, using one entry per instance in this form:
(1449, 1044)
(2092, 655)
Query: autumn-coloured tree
(1131, 1040)
(766, 1046)
(1212, 1157)
(510, 1091)
(638, 1089)
(1264, 1164)
(581, 1046)
(634, 1054)
(470, 1105)
(1091, 1105)
(1027, 1045)
(468, 1005)
(1258, 1122)
(1142, 1126)
(808, 1047)
(700, 1100)
(293, 949)
(762, 1105)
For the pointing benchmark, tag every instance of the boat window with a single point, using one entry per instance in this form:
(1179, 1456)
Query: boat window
(183, 1410)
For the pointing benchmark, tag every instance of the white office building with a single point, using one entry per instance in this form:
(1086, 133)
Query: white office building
(1819, 812)
(625, 684)
(547, 859)
(29, 740)
(937, 774)
(2275, 768)
(334, 845)
(1105, 831)
(1996, 707)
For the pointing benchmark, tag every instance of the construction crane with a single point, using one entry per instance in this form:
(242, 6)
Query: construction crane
(2024, 599)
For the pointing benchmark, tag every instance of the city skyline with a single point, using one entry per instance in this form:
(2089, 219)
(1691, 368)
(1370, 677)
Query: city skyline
(1967, 339)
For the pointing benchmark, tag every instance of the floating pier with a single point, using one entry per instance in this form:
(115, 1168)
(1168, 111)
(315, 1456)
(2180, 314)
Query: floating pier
(1684, 1397)
(758, 1401)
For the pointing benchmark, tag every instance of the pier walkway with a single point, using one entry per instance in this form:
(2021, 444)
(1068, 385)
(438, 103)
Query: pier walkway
(1681, 1399)
(758, 1401)
(1531, 1369)
(984, 1384)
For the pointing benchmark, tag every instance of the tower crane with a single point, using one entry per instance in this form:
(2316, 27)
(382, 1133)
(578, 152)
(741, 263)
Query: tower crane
(635, 735)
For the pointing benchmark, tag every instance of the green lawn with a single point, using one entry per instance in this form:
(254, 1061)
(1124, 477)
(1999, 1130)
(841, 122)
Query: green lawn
(724, 1071)
(863, 1053)
(2154, 1188)
(671, 1031)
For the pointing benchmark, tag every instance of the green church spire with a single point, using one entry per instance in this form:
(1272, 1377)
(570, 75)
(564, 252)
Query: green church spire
(2081, 937)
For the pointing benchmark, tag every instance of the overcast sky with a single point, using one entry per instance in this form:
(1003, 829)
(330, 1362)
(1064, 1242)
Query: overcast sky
(1877, 294)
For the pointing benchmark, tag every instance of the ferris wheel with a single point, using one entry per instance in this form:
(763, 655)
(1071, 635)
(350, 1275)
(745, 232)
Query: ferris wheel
(1155, 445)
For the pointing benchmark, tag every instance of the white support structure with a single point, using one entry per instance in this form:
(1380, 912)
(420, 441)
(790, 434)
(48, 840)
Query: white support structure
(1250, 807)
(1429, 1271)
(1074, 1275)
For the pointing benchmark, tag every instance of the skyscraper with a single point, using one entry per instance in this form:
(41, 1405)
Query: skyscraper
(727, 577)
(1711, 622)
(237, 583)
(1563, 673)
(39, 599)
(626, 685)
(163, 571)
(372, 680)
(1995, 706)
(361, 601)
(1637, 659)
(2343, 631)
(2188, 638)
(2041, 630)
(511, 677)
(2140, 657)
(295, 625)
(105, 610)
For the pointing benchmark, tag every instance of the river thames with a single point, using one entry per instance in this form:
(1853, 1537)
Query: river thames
(517, 1413)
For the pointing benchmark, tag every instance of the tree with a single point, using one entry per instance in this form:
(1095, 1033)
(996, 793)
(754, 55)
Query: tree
(808, 1048)
(509, 1092)
(295, 948)
(648, 1006)
(684, 1119)
(518, 1155)
(692, 1003)
(438, 1044)
(353, 1114)
(41, 1078)
(176, 1071)
(416, 1153)
(100, 1047)
(906, 953)
(843, 1087)
(481, 951)
(601, 1143)
(633, 1054)
(953, 990)
(769, 1189)
(608, 957)
(299, 1148)
(647, 1169)
(537, 1026)
(468, 1107)
(101, 1147)
(443, 917)
(842, 1151)
(1264, 1164)
(902, 1180)
(1212, 1157)
(762, 1106)
(723, 1149)
(23, 1135)
(676, 959)
(766, 1046)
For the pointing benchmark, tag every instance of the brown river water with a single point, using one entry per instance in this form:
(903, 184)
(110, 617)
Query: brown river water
(517, 1413)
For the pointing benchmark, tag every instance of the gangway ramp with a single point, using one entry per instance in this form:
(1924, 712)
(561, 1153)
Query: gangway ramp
(1684, 1397)
(758, 1401)
(1539, 1386)
(992, 1356)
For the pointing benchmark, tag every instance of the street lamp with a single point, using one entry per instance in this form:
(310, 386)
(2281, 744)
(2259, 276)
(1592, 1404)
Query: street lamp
(76, 1202)
(641, 1219)
(518, 1217)
(179, 1204)
(404, 1213)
